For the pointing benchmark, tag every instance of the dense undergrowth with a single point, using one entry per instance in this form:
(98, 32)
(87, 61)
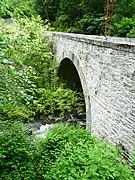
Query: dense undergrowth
(28, 74)
(67, 153)
(14, 8)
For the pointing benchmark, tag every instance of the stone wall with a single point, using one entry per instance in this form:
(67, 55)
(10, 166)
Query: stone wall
(107, 72)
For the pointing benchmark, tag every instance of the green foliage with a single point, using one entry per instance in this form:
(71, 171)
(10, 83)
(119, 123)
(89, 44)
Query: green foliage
(67, 152)
(31, 80)
(23, 114)
(19, 81)
(16, 8)
(91, 24)
(123, 18)
(131, 34)
(16, 153)
(125, 8)
(17, 86)
(125, 28)
(87, 16)
(70, 152)
(81, 16)
(57, 102)
(46, 8)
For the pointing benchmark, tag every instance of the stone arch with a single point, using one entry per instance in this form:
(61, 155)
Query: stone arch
(70, 56)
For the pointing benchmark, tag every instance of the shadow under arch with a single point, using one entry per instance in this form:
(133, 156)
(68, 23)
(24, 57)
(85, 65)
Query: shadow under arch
(71, 72)
(68, 73)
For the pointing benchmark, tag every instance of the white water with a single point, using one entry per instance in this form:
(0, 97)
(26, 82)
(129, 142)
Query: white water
(42, 132)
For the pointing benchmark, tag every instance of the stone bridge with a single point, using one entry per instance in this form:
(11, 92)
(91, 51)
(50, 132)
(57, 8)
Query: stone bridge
(106, 70)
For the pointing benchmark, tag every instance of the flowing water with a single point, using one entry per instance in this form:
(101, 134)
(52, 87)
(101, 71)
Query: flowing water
(40, 129)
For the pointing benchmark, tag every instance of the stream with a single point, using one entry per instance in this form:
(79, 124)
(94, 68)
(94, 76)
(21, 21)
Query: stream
(40, 129)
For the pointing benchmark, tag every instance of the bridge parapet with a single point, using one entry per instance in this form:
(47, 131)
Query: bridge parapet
(123, 44)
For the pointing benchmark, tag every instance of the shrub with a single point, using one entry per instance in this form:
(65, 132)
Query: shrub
(124, 28)
(68, 152)
(58, 102)
(22, 114)
(92, 24)
(131, 34)
(32, 83)
(16, 7)
(72, 153)
(23, 44)
(16, 153)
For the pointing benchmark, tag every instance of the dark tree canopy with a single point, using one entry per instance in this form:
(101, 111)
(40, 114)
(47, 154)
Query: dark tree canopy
(87, 16)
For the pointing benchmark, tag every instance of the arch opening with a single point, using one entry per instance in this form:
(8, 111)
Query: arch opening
(69, 76)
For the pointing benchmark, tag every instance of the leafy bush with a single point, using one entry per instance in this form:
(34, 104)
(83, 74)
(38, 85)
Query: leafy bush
(72, 153)
(47, 9)
(58, 102)
(91, 24)
(31, 80)
(67, 152)
(33, 49)
(124, 28)
(17, 86)
(24, 45)
(22, 114)
(17, 151)
(125, 8)
(131, 34)
(16, 7)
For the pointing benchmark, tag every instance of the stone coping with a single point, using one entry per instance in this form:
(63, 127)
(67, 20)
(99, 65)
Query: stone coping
(123, 44)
